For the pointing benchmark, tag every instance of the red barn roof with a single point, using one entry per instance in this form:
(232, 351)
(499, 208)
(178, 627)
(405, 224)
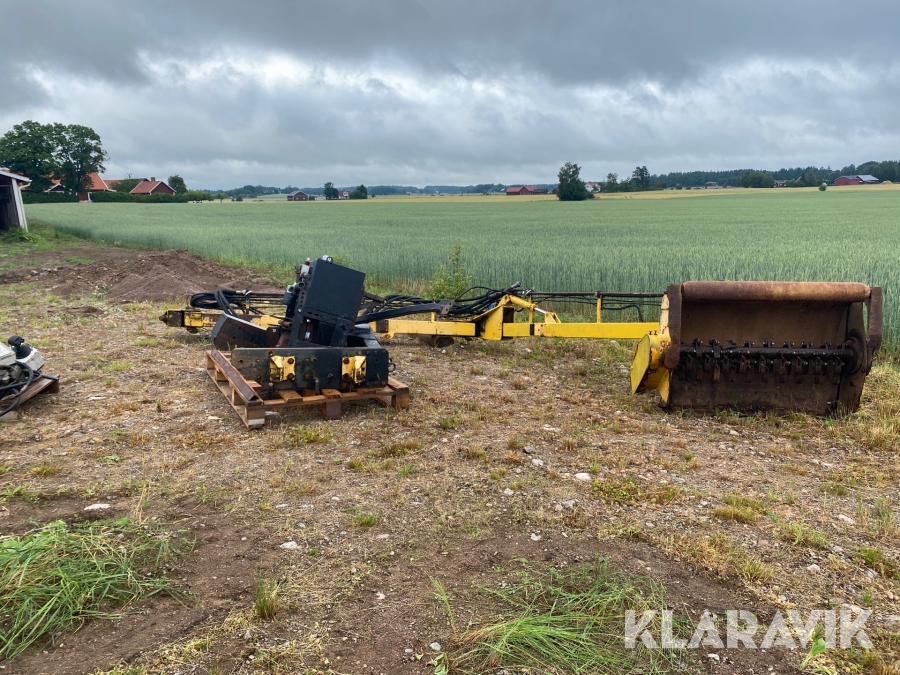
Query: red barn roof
(152, 187)
(98, 184)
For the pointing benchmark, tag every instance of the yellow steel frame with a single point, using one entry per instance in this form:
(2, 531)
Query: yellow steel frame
(498, 323)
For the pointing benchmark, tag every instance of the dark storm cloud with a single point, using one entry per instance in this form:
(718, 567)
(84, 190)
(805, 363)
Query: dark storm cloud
(278, 91)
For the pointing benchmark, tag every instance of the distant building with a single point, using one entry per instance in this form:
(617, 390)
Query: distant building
(525, 190)
(298, 196)
(343, 194)
(153, 187)
(780, 183)
(856, 180)
(12, 211)
(97, 184)
(711, 184)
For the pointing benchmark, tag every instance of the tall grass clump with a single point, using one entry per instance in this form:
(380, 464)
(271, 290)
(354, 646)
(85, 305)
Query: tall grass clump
(56, 578)
(562, 622)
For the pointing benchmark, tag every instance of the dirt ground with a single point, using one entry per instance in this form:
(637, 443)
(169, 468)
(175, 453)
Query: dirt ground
(513, 456)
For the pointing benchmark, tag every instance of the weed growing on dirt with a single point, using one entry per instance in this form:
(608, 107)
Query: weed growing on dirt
(800, 534)
(301, 435)
(265, 599)
(58, 577)
(560, 622)
(874, 558)
(755, 571)
(365, 519)
(397, 449)
(44, 470)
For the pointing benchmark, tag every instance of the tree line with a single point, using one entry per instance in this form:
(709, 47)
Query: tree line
(808, 176)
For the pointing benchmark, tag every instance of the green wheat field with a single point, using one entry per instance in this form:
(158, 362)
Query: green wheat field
(632, 242)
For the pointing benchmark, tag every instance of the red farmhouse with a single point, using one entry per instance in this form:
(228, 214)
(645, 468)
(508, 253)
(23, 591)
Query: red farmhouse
(856, 180)
(152, 187)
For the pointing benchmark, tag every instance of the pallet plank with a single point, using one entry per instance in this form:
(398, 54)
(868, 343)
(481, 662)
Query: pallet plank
(48, 383)
(242, 395)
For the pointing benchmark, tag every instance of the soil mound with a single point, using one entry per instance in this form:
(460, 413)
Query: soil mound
(154, 276)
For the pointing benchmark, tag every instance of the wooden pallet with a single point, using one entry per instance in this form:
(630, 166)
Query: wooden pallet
(48, 384)
(243, 395)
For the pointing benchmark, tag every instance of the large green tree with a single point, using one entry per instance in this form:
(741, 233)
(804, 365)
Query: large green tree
(757, 179)
(176, 182)
(612, 182)
(360, 193)
(28, 149)
(78, 154)
(330, 191)
(640, 178)
(571, 187)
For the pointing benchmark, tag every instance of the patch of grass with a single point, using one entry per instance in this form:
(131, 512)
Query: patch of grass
(20, 491)
(397, 448)
(833, 488)
(117, 367)
(146, 342)
(561, 622)
(885, 520)
(498, 474)
(755, 571)
(301, 435)
(449, 422)
(56, 578)
(75, 260)
(513, 458)
(365, 519)
(874, 558)
(738, 514)
(801, 534)
(44, 470)
(300, 487)
(474, 452)
(619, 490)
(744, 502)
(265, 599)
(513, 444)
(407, 470)
(794, 468)
(519, 383)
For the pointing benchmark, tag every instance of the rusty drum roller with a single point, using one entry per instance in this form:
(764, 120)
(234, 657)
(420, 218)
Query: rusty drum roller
(761, 345)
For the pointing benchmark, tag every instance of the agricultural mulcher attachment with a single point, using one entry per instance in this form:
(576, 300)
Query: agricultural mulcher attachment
(760, 345)
(740, 345)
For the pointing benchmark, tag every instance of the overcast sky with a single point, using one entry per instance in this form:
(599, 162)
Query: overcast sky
(403, 92)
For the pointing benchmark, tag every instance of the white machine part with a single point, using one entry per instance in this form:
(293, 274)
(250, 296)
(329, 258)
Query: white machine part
(7, 356)
(34, 360)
